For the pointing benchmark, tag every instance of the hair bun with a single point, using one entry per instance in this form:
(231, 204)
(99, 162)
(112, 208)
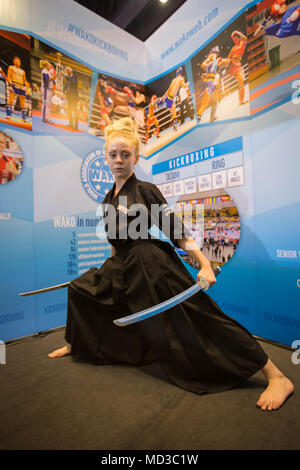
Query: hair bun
(124, 126)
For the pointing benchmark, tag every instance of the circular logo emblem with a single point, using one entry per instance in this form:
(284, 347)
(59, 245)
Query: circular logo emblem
(96, 177)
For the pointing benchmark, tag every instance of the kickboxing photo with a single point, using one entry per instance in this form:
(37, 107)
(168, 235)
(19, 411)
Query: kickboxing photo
(60, 90)
(15, 80)
(113, 99)
(170, 110)
(273, 29)
(220, 72)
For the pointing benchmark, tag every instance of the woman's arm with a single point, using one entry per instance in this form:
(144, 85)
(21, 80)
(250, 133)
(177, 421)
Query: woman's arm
(190, 246)
(173, 228)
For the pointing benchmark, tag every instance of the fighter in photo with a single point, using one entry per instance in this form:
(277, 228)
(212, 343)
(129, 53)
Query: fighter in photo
(105, 103)
(169, 97)
(115, 99)
(137, 109)
(285, 22)
(124, 99)
(28, 100)
(126, 103)
(47, 87)
(151, 119)
(121, 99)
(235, 57)
(211, 84)
(16, 79)
(186, 109)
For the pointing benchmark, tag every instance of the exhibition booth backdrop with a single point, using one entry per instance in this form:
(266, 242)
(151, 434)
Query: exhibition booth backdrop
(226, 141)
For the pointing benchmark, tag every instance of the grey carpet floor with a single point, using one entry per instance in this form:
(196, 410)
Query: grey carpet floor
(64, 404)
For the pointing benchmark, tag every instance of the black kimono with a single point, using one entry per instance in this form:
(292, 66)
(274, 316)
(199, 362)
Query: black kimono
(199, 347)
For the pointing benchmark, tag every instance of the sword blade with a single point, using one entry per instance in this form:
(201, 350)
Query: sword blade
(46, 289)
(151, 311)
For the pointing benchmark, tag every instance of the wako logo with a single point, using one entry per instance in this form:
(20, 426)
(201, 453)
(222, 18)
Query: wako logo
(96, 176)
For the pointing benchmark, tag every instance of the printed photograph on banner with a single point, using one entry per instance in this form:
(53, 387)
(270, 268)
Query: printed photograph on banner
(273, 30)
(220, 73)
(11, 159)
(60, 90)
(15, 80)
(213, 220)
(114, 99)
(169, 111)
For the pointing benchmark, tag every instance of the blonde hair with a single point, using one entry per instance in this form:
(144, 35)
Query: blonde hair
(123, 127)
(44, 63)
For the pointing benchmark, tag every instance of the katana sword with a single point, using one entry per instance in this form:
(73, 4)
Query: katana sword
(148, 312)
(163, 306)
(46, 289)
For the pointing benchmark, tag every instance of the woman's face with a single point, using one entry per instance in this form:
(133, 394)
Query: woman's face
(121, 156)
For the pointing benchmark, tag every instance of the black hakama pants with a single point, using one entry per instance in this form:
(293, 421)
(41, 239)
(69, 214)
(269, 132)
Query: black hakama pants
(200, 348)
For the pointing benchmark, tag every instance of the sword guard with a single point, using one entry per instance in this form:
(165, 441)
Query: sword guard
(203, 283)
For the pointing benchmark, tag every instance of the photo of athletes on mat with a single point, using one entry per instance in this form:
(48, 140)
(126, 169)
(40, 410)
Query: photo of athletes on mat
(220, 72)
(114, 99)
(169, 112)
(273, 29)
(15, 80)
(60, 90)
(214, 223)
(11, 158)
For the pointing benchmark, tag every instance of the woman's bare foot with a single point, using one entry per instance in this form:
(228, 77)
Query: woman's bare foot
(61, 352)
(277, 391)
